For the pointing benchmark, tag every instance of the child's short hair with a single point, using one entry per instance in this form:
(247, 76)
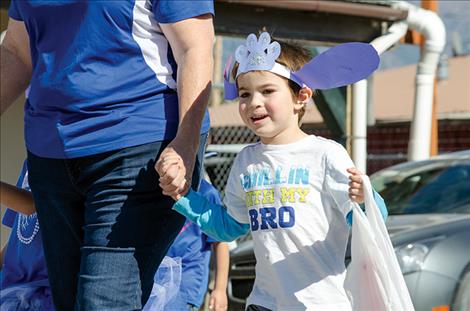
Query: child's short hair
(293, 56)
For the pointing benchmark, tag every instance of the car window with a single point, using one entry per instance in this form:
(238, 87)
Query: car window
(443, 190)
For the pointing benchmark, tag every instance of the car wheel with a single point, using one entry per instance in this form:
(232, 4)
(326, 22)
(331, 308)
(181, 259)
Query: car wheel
(462, 299)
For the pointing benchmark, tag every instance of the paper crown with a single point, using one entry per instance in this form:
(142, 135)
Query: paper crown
(341, 65)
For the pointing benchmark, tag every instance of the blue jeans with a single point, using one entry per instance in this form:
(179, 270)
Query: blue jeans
(105, 225)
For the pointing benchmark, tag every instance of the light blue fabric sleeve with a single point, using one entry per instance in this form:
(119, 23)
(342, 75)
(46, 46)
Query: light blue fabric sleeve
(213, 219)
(380, 203)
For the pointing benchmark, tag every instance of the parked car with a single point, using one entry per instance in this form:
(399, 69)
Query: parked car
(429, 225)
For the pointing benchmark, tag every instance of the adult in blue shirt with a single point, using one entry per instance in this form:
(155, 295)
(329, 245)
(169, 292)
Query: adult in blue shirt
(113, 85)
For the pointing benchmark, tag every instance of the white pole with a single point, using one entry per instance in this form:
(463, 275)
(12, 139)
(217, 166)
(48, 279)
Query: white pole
(360, 99)
(431, 26)
(359, 125)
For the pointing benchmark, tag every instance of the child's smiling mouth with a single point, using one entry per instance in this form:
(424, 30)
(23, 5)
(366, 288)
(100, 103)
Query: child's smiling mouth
(257, 119)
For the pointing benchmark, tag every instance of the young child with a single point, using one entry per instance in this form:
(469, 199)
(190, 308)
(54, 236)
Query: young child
(23, 277)
(193, 248)
(292, 190)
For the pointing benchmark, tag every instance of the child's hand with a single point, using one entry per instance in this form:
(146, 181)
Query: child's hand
(174, 184)
(172, 173)
(218, 300)
(356, 189)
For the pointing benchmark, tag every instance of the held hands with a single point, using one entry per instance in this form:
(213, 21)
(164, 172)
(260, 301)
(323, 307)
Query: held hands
(356, 189)
(174, 172)
(218, 300)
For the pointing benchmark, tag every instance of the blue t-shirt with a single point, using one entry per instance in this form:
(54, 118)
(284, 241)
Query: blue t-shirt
(104, 76)
(193, 247)
(23, 263)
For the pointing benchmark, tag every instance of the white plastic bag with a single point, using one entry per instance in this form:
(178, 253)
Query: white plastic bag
(374, 280)
(166, 284)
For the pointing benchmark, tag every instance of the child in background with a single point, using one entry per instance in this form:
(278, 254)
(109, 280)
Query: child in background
(194, 249)
(292, 190)
(23, 277)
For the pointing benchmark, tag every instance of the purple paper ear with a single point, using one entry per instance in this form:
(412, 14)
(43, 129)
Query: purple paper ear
(230, 89)
(341, 65)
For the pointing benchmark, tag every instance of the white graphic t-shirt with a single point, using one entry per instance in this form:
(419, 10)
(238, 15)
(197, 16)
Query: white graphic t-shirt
(295, 198)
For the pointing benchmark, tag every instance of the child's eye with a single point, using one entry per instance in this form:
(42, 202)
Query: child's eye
(268, 91)
(244, 95)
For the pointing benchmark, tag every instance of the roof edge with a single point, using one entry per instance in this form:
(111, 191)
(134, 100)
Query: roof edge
(337, 7)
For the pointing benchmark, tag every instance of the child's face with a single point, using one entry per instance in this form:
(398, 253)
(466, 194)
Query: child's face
(267, 107)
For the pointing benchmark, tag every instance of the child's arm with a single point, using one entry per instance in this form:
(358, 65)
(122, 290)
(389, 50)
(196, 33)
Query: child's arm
(16, 199)
(218, 299)
(213, 219)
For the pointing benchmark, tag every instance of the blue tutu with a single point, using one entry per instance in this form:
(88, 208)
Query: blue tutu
(32, 296)
(166, 284)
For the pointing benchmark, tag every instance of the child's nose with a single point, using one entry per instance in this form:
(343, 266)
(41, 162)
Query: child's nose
(256, 100)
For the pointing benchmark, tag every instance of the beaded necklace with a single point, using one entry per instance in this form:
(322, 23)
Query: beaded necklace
(23, 220)
(23, 224)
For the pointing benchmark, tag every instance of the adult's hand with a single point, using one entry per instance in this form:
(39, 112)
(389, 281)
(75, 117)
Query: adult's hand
(191, 41)
(15, 64)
